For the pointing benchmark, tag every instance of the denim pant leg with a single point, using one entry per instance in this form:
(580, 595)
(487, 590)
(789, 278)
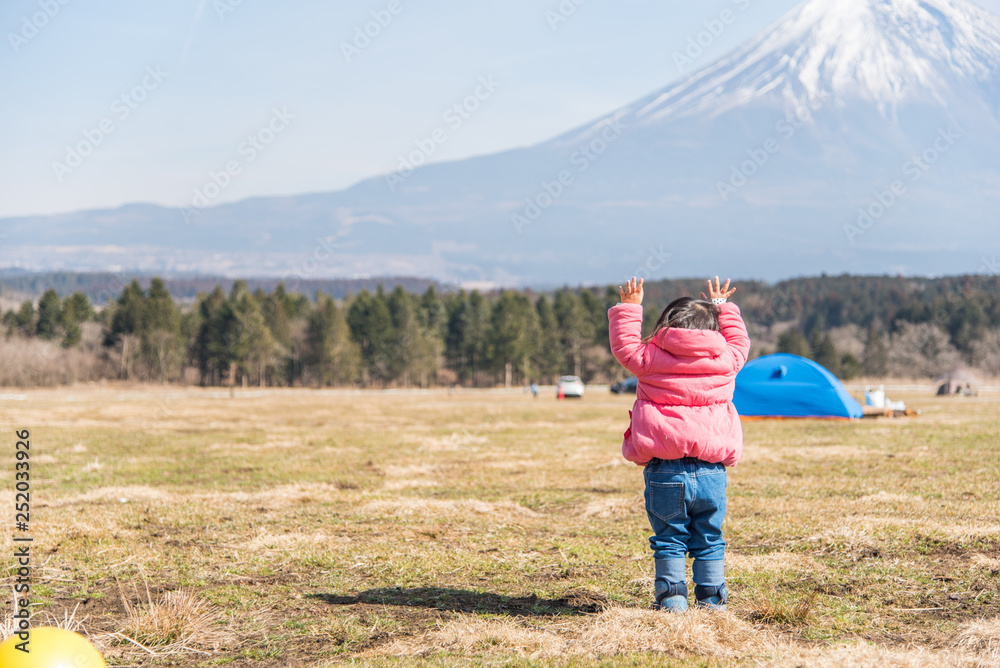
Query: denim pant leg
(708, 510)
(668, 487)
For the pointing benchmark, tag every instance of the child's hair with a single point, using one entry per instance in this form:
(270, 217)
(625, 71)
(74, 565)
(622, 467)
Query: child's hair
(687, 313)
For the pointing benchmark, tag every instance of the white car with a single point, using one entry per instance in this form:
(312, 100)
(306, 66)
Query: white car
(569, 386)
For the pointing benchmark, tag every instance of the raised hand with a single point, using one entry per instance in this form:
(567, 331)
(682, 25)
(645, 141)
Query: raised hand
(632, 294)
(715, 292)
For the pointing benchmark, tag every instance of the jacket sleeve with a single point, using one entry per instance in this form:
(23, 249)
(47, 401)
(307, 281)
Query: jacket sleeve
(625, 330)
(735, 332)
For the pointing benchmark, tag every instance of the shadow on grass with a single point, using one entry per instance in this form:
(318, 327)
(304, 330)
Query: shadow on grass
(573, 602)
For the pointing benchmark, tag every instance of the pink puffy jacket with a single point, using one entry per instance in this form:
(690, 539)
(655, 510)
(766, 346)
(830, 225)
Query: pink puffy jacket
(683, 404)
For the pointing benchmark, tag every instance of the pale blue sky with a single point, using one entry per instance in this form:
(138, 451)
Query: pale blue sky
(224, 73)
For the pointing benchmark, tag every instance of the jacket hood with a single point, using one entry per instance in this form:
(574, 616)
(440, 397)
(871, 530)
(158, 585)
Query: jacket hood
(690, 342)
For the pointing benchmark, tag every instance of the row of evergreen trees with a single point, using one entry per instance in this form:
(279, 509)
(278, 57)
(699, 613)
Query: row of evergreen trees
(55, 319)
(398, 337)
(375, 339)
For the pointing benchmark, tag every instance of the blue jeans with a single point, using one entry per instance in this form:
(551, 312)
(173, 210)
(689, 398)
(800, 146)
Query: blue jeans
(686, 503)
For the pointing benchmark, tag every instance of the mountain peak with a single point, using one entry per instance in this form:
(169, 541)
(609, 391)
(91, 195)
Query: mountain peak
(905, 36)
(887, 52)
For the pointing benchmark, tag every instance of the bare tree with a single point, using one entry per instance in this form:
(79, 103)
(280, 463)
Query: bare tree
(986, 353)
(921, 350)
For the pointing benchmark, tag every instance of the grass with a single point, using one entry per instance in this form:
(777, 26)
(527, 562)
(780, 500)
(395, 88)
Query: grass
(304, 528)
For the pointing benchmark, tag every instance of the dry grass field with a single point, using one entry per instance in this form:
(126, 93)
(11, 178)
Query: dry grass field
(185, 527)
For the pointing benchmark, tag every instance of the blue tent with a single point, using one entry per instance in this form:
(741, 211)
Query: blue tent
(783, 385)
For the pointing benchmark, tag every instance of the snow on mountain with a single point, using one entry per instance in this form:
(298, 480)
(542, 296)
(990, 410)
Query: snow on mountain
(885, 52)
(842, 109)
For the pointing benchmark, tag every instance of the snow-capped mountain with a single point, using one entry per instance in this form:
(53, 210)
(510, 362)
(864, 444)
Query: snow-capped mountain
(883, 52)
(852, 135)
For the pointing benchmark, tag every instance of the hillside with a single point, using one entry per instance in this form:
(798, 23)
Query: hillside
(854, 136)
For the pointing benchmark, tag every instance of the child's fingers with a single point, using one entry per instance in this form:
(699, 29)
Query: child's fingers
(704, 297)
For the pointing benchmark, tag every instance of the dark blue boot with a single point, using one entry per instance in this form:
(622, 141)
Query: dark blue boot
(670, 588)
(710, 584)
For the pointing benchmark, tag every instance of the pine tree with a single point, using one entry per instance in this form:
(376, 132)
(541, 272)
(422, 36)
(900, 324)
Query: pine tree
(475, 348)
(415, 348)
(48, 325)
(875, 359)
(212, 348)
(371, 326)
(850, 367)
(76, 311)
(332, 356)
(824, 353)
(277, 318)
(513, 336)
(161, 330)
(598, 316)
(456, 306)
(287, 318)
(548, 359)
(465, 342)
(576, 328)
(126, 325)
(792, 341)
(24, 319)
(432, 314)
(253, 346)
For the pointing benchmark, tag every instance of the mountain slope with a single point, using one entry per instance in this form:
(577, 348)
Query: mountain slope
(856, 135)
(884, 53)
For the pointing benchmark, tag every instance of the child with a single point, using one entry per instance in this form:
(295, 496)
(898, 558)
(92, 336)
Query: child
(685, 430)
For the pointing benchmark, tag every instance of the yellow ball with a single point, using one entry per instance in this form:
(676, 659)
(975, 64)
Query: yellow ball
(50, 647)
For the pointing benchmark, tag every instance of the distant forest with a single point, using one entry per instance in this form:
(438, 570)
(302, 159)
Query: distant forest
(102, 287)
(375, 337)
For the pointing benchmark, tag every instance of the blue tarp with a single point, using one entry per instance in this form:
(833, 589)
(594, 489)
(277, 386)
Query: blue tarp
(783, 385)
